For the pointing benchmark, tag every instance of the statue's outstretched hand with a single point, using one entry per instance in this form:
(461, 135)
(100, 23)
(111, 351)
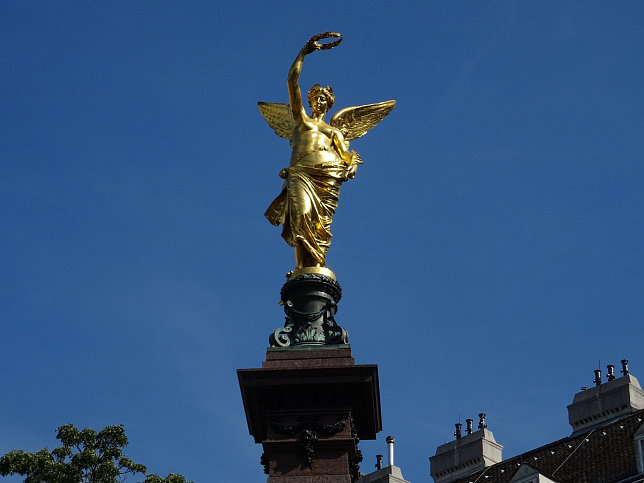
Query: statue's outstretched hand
(313, 44)
(310, 47)
(350, 171)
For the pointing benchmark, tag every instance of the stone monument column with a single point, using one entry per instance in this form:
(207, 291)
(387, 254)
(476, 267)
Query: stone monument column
(310, 404)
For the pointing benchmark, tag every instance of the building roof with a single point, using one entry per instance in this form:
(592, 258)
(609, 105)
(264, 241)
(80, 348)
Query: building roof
(601, 455)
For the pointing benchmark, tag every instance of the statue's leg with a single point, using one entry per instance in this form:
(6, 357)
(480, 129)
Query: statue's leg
(303, 258)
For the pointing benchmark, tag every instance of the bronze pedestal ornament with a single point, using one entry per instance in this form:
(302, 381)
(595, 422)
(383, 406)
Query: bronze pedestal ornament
(310, 302)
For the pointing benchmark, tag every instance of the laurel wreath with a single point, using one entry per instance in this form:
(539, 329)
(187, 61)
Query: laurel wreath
(326, 35)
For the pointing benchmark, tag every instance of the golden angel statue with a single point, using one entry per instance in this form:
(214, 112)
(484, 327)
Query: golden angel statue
(320, 162)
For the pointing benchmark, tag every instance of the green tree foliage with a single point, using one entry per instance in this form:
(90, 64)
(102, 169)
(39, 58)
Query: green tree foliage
(84, 457)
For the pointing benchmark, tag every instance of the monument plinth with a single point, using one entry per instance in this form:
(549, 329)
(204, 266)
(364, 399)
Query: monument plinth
(309, 406)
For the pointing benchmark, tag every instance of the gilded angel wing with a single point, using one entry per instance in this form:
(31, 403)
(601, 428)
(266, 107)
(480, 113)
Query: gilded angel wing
(279, 117)
(354, 122)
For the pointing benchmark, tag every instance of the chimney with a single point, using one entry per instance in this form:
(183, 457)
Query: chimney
(469, 422)
(467, 455)
(605, 403)
(388, 474)
(457, 433)
(390, 444)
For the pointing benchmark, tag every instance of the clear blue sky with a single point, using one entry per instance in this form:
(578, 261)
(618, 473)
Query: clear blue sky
(490, 248)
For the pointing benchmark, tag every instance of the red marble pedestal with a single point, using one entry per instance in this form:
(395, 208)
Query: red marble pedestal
(309, 406)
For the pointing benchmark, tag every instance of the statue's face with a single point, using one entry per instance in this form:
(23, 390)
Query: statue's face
(319, 102)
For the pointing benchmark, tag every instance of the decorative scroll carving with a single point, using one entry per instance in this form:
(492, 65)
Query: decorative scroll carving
(311, 430)
(355, 464)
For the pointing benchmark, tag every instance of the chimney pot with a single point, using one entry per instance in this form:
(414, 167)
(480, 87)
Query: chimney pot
(611, 374)
(624, 366)
(468, 428)
(598, 377)
(390, 442)
(482, 424)
(457, 433)
(378, 462)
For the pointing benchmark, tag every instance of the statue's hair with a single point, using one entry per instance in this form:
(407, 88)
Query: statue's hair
(327, 91)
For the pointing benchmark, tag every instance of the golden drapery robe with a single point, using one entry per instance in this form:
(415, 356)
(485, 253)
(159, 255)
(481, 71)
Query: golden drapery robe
(307, 202)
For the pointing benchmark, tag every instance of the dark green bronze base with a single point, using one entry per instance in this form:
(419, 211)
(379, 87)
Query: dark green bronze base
(310, 302)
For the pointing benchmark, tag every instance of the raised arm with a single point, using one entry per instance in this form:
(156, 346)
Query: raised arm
(294, 93)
